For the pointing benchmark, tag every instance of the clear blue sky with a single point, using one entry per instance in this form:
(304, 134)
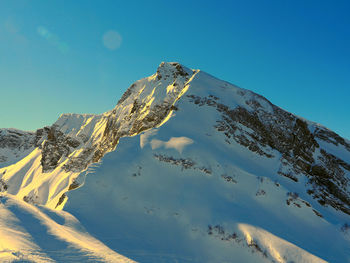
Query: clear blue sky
(53, 58)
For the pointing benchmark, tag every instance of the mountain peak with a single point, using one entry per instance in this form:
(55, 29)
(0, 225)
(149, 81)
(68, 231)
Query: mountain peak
(167, 69)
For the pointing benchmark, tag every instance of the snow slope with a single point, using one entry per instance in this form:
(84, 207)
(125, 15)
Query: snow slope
(37, 234)
(188, 168)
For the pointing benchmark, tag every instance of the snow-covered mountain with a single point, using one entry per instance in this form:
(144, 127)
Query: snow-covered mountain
(186, 168)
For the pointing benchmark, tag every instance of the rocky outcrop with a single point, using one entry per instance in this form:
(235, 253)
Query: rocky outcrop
(330, 137)
(15, 144)
(270, 131)
(329, 182)
(145, 113)
(15, 139)
(56, 146)
(3, 186)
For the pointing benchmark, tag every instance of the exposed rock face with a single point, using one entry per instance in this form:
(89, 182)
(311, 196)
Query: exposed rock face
(331, 137)
(329, 182)
(270, 130)
(184, 163)
(56, 146)
(80, 162)
(3, 186)
(12, 138)
(145, 112)
(14, 144)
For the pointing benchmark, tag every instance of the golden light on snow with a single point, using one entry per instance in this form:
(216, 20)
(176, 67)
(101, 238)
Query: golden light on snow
(276, 247)
(112, 40)
(17, 243)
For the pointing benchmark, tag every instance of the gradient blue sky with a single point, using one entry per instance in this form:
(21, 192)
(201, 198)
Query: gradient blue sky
(53, 59)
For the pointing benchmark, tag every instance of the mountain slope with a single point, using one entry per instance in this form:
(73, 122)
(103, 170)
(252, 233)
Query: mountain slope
(190, 168)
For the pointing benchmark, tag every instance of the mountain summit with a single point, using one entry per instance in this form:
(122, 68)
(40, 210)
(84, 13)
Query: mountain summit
(185, 168)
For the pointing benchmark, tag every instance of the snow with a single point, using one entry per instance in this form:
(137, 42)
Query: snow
(177, 192)
(166, 204)
(26, 177)
(82, 126)
(155, 202)
(38, 234)
(144, 137)
(279, 249)
(177, 143)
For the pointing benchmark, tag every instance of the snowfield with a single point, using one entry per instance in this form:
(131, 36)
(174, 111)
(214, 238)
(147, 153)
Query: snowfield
(186, 168)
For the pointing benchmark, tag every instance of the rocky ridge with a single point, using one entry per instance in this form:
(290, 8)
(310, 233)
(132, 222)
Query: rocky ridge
(63, 149)
(296, 140)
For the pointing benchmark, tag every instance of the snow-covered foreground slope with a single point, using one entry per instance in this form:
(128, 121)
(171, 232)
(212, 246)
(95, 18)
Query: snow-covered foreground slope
(36, 234)
(188, 168)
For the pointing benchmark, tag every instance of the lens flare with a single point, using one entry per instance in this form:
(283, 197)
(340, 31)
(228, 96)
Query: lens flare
(112, 40)
(53, 39)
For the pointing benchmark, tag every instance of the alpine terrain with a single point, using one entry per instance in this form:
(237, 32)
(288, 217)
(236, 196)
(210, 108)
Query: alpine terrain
(185, 168)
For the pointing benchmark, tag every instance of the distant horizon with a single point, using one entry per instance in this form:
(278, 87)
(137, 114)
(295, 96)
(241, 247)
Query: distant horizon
(80, 57)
